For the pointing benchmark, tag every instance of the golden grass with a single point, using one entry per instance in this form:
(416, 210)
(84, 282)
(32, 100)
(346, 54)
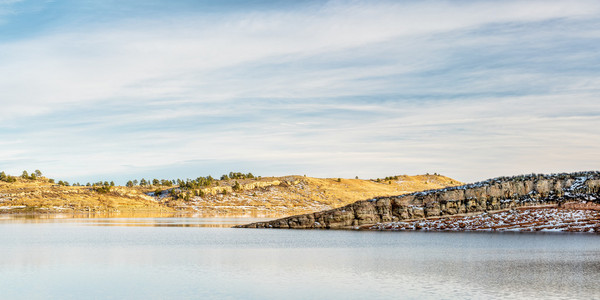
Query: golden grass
(297, 194)
(277, 196)
(41, 195)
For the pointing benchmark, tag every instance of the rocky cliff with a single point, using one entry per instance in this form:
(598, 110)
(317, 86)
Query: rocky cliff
(496, 194)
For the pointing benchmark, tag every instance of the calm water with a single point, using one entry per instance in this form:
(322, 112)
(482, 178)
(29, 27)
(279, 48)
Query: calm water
(179, 258)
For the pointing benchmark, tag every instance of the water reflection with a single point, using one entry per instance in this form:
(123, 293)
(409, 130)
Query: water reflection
(173, 222)
(149, 219)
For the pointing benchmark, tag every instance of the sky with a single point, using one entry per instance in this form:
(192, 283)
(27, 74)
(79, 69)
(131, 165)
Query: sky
(117, 90)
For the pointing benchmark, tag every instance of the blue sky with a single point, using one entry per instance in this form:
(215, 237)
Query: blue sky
(101, 90)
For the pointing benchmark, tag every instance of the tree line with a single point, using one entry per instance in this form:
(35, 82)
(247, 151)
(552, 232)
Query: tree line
(25, 175)
(105, 186)
(199, 182)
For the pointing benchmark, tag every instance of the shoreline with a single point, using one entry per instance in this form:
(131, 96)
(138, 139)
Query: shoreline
(36, 214)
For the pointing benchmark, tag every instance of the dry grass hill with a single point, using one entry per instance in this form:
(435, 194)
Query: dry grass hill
(266, 196)
(40, 195)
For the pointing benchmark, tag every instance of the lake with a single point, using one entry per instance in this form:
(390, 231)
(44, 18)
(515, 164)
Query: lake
(192, 258)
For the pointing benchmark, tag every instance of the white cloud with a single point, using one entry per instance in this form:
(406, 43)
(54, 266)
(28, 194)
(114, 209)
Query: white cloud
(467, 139)
(171, 75)
(92, 64)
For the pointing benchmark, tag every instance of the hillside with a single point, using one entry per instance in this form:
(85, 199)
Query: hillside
(40, 195)
(297, 194)
(267, 196)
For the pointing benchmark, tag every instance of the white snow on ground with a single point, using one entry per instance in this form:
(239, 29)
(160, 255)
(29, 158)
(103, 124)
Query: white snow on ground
(528, 219)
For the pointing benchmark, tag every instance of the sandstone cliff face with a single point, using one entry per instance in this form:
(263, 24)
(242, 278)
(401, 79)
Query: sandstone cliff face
(490, 195)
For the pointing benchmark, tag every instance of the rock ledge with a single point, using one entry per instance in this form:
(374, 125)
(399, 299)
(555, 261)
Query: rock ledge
(502, 193)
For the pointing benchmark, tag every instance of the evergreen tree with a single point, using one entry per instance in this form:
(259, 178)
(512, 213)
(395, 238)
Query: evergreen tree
(236, 186)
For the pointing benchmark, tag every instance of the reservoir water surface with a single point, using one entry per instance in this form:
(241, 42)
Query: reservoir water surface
(194, 258)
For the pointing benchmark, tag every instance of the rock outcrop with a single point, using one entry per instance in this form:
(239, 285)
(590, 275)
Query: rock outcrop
(491, 195)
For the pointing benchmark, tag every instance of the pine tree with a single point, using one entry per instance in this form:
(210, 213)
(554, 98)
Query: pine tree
(236, 186)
